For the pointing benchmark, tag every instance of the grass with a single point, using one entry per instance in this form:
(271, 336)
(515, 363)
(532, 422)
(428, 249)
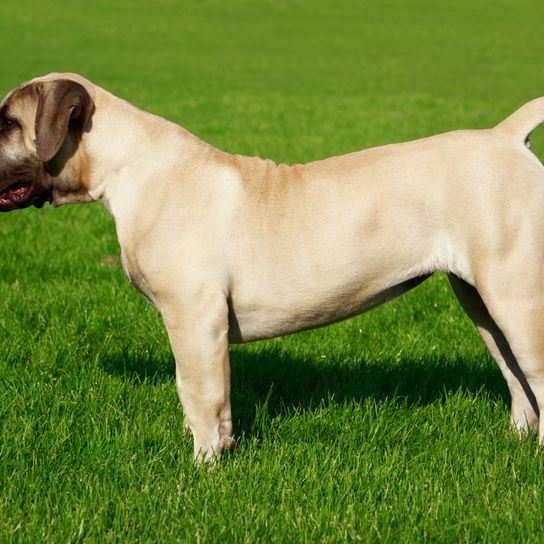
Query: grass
(390, 427)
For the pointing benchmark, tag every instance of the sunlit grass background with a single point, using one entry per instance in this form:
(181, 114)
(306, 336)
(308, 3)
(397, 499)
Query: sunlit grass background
(390, 427)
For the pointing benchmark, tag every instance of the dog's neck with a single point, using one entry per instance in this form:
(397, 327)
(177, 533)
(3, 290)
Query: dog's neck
(118, 154)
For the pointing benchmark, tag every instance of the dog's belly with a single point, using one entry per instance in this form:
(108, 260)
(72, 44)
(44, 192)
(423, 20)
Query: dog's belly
(254, 321)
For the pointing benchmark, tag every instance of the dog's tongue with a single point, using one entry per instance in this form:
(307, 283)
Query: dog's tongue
(16, 192)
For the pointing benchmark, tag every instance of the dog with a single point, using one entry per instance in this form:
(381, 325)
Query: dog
(232, 249)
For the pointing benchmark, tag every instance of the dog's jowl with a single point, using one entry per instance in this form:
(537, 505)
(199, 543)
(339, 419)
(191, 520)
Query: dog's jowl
(233, 249)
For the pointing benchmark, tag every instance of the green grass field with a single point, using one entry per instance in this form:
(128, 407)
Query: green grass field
(389, 427)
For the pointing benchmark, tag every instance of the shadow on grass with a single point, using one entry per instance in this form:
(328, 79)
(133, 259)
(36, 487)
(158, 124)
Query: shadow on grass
(288, 383)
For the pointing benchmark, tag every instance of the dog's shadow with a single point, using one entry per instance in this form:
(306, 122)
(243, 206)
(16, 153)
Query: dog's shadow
(286, 383)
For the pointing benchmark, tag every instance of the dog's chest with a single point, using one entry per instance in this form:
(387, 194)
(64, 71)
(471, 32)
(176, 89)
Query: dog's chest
(127, 236)
(136, 277)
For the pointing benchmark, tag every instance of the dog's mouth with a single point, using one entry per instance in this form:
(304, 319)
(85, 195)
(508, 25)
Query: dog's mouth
(16, 192)
(22, 194)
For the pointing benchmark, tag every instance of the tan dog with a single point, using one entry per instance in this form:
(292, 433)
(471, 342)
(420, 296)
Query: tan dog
(233, 249)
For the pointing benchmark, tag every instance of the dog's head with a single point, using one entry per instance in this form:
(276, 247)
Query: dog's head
(41, 125)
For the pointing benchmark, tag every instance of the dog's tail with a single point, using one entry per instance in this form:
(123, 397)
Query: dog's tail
(523, 121)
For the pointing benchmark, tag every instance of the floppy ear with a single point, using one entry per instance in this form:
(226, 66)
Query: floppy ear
(63, 104)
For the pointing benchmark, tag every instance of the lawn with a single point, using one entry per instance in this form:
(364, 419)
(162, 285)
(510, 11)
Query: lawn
(389, 427)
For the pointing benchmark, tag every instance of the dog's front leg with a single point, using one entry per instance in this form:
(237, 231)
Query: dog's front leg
(198, 333)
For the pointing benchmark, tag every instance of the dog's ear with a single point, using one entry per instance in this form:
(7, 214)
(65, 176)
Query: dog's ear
(62, 105)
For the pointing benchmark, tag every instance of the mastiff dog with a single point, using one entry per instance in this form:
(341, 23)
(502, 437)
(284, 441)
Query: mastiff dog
(233, 249)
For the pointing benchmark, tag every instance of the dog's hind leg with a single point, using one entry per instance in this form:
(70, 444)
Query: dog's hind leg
(525, 408)
(199, 341)
(520, 317)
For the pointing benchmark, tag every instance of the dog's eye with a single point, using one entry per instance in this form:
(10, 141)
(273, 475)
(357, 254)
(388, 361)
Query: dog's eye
(7, 123)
